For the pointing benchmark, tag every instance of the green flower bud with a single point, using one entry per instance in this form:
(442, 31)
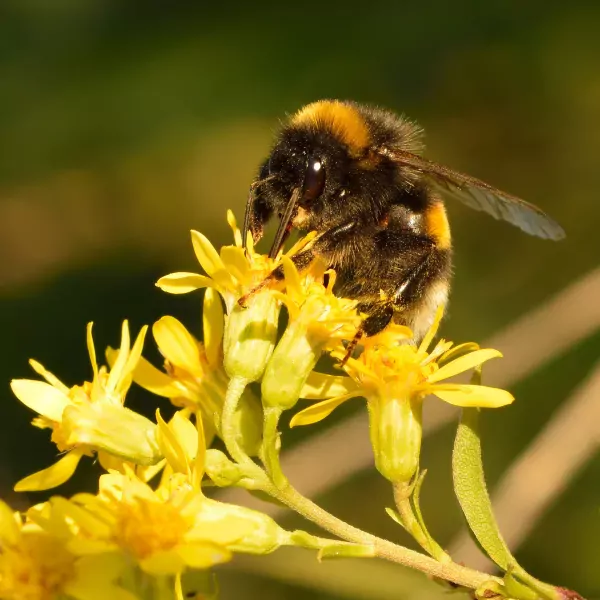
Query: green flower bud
(396, 429)
(260, 533)
(222, 471)
(250, 335)
(293, 360)
(249, 423)
(113, 428)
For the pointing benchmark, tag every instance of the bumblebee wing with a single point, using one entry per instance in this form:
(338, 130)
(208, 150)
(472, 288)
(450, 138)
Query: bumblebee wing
(481, 196)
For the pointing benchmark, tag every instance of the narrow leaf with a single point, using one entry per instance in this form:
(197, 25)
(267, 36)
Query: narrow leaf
(395, 516)
(471, 490)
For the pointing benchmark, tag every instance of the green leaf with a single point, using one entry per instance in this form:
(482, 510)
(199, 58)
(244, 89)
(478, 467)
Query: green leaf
(395, 516)
(471, 490)
(516, 589)
(417, 508)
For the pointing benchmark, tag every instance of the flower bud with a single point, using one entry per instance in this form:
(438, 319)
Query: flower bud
(222, 471)
(249, 422)
(250, 335)
(113, 428)
(293, 360)
(261, 534)
(396, 429)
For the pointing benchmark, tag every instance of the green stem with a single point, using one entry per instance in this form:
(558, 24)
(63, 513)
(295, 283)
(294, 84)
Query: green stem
(270, 447)
(229, 431)
(280, 489)
(402, 499)
(449, 571)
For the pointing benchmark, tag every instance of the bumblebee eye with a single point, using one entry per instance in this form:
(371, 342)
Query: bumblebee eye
(314, 180)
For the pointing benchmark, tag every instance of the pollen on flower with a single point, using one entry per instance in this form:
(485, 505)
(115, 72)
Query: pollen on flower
(145, 527)
(36, 567)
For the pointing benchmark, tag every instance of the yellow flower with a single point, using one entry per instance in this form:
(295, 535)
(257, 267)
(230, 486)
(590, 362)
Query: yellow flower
(250, 332)
(233, 272)
(35, 564)
(195, 378)
(394, 375)
(174, 527)
(90, 417)
(317, 320)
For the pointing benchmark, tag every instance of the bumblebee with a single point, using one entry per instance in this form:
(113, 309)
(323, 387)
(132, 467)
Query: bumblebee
(355, 175)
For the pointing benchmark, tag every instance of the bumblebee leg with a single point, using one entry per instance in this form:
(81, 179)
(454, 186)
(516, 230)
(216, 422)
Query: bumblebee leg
(378, 319)
(301, 260)
(411, 281)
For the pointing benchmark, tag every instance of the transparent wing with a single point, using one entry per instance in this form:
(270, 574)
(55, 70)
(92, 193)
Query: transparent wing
(481, 196)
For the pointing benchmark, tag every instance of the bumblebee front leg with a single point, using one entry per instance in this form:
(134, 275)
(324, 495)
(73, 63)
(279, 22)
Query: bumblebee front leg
(301, 260)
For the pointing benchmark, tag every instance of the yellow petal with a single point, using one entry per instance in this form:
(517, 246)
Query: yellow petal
(147, 473)
(293, 284)
(321, 385)
(167, 562)
(472, 395)
(183, 283)
(150, 378)
(170, 446)
(231, 221)
(118, 370)
(432, 330)
(457, 351)
(89, 547)
(212, 325)
(136, 351)
(41, 397)
(202, 555)
(91, 350)
(94, 577)
(92, 525)
(110, 462)
(49, 377)
(186, 434)
(177, 345)
(9, 529)
(210, 260)
(235, 262)
(317, 412)
(463, 363)
(53, 476)
(200, 460)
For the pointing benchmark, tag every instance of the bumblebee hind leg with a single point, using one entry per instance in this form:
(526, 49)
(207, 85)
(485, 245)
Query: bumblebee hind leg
(379, 318)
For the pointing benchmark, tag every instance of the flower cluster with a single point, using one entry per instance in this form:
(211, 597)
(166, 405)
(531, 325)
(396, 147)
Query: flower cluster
(131, 536)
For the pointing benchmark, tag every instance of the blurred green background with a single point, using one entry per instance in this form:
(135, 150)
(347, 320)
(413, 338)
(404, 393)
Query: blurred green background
(125, 124)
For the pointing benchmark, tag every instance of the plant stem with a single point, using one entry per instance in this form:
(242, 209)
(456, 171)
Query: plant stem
(270, 447)
(235, 389)
(449, 571)
(405, 509)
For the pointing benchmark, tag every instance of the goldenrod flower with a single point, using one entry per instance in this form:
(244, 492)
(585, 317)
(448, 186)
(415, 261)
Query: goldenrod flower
(234, 272)
(36, 564)
(394, 375)
(317, 320)
(90, 417)
(195, 378)
(174, 527)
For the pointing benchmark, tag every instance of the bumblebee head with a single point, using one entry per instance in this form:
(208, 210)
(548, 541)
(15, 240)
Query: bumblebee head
(317, 162)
